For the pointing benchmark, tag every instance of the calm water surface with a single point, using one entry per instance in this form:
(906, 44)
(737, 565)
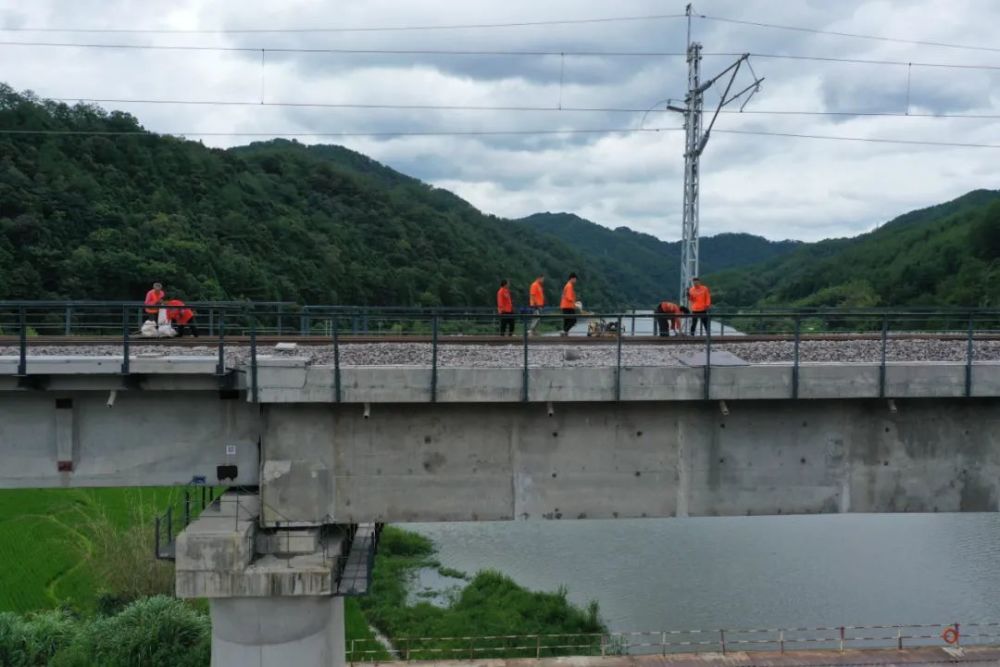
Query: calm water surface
(748, 571)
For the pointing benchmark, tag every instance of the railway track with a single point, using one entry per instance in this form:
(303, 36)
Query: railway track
(270, 340)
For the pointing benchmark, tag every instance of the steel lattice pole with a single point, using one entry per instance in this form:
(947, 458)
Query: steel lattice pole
(692, 126)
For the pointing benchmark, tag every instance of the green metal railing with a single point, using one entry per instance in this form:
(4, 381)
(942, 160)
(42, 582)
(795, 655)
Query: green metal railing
(243, 323)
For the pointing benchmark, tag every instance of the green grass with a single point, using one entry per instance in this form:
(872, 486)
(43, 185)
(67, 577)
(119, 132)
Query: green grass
(46, 548)
(491, 604)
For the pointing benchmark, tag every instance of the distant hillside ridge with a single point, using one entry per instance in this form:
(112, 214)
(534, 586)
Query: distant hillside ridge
(641, 265)
(943, 255)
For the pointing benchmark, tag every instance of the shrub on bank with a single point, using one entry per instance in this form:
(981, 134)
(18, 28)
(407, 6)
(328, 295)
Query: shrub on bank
(153, 632)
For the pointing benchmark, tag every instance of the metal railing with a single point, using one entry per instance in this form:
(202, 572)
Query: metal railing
(243, 323)
(835, 638)
(167, 526)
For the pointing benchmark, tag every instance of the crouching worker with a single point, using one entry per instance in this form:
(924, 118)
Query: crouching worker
(181, 318)
(668, 317)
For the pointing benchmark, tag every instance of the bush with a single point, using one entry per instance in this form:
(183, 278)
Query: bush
(152, 632)
(26, 641)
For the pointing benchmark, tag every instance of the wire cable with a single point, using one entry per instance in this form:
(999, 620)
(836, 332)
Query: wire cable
(872, 140)
(472, 133)
(411, 28)
(878, 38)
(401, 133)
(510, 108)
(491, 52)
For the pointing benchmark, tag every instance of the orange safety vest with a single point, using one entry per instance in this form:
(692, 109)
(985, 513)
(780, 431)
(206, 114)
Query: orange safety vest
(537, 297)
(699, 298)
(505, 305)
(568, 296)
(179, 315)
(153, 298)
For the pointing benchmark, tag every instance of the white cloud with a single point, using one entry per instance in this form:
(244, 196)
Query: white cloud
(774, 186)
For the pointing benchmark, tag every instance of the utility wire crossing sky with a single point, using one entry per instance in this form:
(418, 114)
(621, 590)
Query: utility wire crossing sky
(869, 108)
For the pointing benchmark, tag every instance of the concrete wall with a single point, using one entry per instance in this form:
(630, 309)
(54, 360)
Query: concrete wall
(147, 438)
(606, 460)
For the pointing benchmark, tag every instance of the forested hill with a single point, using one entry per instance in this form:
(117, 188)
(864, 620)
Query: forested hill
(102, 216)
(643, 265)
(947, 255)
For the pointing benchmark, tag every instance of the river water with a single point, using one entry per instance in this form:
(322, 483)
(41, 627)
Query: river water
(782, 571)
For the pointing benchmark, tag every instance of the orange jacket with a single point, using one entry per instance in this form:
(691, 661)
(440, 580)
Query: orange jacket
(153, 298)
(537, 296)
(179, 315)
(505, 305)
(669, 307)
(568, 296)
(699, 298)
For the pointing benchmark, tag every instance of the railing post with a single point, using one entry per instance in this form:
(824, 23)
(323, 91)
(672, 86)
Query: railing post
(842, 639)
(633, 323)
(434, 357)
(958, 636)
(708, 361)
(881, 368)
(187, 507)
(781, 640)
(69, 320)
(538, 646)
(220, 368)
(280, 318)
(618, 363)
(795, 365)
(336, 361)
(899, 639)
(211, 321)
(170, 523)
(253, 358)
(968, 357)
(22, 342)
(722, 640)
(156, 545)
(524, 372)
(663, 642)
(125, 350)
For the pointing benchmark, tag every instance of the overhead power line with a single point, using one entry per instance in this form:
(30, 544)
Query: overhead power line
(492, 52)
(409, 28)
(474, 133)
(508, 108)
(871, 140)
(401, 133)
(837, 33)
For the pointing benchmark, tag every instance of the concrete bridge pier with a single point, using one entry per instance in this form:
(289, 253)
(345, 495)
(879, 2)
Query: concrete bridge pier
(278, 631)
(271, 591)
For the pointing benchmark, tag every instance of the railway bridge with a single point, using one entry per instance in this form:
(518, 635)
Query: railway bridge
(324, 432)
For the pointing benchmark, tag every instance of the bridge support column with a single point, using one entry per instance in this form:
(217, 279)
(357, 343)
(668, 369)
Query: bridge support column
(271, 592)
(278, 631)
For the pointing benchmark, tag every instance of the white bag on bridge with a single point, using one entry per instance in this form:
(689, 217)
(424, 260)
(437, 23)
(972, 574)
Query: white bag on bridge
(166, 331)
(148, 329)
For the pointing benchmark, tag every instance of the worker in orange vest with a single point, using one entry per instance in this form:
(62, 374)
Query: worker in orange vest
(668, 317)
(568, 304)
(181, 317)
(505, 308)
(699, 301)
(153, 298)
(536, 301)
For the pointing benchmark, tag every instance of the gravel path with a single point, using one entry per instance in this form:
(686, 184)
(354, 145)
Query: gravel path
(512, 356)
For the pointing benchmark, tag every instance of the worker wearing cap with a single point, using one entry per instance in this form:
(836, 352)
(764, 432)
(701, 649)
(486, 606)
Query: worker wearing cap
(505, 308)
(669, 317)
(153, 298)
(568, 304)
(536, 301)
(699, 301)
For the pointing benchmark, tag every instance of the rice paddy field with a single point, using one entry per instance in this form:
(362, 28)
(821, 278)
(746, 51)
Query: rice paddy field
(45, 549)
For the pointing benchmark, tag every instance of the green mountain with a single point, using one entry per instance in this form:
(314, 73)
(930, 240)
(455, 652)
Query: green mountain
(944, 255)
(644, 267)
(89, 212)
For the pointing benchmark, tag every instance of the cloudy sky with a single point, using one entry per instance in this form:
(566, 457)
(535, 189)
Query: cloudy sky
(778, 187)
